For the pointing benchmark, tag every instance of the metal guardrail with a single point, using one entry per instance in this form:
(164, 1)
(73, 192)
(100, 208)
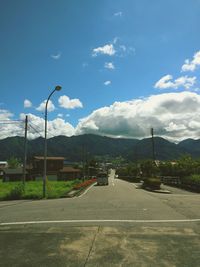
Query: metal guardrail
(170, 180)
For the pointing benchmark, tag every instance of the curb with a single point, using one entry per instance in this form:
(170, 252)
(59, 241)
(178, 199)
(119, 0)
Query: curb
(162, 191)
(78, 193)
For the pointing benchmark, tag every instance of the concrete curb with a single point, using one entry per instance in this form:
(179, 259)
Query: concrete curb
(79, 193)
(162, 191)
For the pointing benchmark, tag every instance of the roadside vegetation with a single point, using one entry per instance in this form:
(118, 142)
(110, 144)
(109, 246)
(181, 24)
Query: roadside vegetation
(33, 189)
(184, 173)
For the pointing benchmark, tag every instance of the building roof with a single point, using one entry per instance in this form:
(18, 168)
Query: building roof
(49, 158)
(69, 169)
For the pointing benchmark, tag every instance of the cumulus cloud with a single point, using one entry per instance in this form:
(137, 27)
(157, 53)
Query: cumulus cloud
(27, 103)
(109, 65)
(56, 56)
(56, 127)
(65, 102)
(107, 49)
(5, 114)
(50, 106)
(174, 116)
(191, 65)
(36, 124)
(9, 128)
(107, 83)
(167, 82)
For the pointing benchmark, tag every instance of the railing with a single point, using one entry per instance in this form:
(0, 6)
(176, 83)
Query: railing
(170, 180)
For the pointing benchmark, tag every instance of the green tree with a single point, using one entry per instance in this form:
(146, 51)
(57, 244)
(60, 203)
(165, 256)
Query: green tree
(13, 163)
(148, 168)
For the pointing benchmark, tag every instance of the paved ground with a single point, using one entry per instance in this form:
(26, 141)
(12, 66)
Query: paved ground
(115, 225)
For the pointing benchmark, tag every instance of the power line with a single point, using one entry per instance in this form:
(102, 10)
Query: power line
(11, 120)
(35, 130)
(41, 129)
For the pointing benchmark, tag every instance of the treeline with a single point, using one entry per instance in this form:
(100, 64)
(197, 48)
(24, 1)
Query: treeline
(185, 169)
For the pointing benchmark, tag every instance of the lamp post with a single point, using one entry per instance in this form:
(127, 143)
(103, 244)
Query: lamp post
(57, 88)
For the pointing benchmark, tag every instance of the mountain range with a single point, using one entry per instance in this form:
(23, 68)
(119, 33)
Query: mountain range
(87, 146)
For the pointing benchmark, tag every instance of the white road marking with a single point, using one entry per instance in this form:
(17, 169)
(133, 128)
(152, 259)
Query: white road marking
(99, 221)
(85, 192)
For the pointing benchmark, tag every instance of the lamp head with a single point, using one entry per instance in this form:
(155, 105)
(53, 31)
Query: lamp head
(58, 88)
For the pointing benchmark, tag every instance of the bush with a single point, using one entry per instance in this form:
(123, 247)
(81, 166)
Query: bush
(16, 192)
(193, 179)
(84, 184)
(149, 168)
(153, 183)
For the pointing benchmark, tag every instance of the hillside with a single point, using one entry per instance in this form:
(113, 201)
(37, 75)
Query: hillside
(76, 147)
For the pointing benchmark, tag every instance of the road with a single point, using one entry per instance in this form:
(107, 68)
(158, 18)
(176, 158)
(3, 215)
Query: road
(115, 225)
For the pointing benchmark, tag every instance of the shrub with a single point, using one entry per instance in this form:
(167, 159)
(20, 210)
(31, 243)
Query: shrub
(153, 183)
(149, 168)
(16, 192)
(191, 180)
(84, 184)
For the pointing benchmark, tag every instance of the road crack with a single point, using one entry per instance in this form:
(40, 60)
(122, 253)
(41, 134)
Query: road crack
(91, 247)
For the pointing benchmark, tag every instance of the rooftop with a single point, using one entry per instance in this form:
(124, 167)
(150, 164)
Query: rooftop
(49, 158)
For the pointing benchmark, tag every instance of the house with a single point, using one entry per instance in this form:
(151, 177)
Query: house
(69, 173)
(13, 175)
(3, 164)
(54, 164)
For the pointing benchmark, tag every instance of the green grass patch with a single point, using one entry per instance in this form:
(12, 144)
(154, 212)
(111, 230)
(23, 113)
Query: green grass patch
(34, 189)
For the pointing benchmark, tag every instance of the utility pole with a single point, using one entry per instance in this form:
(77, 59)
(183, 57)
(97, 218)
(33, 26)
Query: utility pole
(153, 146)
(83, 150)
(25, 149)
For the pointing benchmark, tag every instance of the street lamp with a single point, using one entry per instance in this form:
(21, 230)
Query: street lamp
(57, 88)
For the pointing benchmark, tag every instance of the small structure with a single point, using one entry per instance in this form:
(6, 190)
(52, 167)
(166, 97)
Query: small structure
(3, 164)
(12, 175)
(69, 173)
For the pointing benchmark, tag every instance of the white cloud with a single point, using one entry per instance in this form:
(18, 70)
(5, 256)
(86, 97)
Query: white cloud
(184, 81)
(55, 127)
(109, 65)
(65, 102)
(5, 114)
(192, 65)
(107, 49)
(56, 56)
(27, 103)
(118, 14)
(174, 116)
(107, 83)
(50, 107)
(60, 115)
(9, 128)
(36, 124)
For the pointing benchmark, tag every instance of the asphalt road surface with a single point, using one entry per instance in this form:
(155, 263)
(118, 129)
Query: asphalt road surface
(114, 225)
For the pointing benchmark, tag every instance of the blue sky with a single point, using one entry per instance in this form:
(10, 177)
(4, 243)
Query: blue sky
(110, 57)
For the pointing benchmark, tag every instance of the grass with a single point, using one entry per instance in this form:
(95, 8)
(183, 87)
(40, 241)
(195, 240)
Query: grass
(34, 190)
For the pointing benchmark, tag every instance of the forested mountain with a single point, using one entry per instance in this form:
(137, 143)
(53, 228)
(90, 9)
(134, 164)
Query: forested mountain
(76, 148)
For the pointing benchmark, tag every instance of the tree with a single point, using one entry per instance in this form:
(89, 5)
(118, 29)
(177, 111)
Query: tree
(148, 168)
(13, 163)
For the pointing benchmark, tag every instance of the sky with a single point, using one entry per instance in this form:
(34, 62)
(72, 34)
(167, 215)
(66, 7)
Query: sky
(124, 67)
